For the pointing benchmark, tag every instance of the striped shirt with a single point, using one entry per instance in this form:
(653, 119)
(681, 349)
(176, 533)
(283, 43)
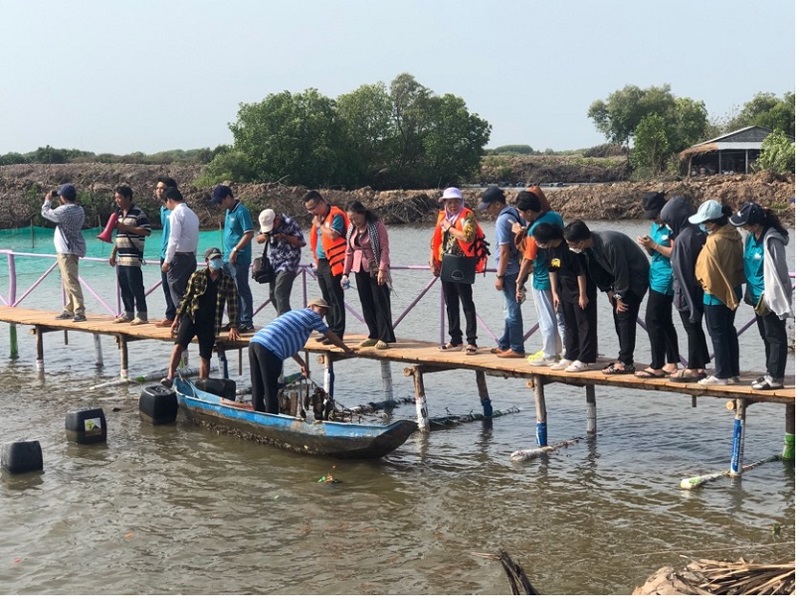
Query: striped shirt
(130, 246)
(286, 335)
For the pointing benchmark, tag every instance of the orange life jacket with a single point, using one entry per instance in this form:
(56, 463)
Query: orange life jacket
(477, 247)
(334, 249)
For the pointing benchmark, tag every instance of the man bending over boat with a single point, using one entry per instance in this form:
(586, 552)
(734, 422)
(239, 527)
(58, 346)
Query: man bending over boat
(280, 339)
(200, 311)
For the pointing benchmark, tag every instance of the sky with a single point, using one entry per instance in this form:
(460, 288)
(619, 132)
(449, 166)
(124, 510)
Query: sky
(150, 75)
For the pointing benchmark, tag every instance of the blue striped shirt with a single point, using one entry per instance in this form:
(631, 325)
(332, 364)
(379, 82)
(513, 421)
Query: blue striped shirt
(286, 335)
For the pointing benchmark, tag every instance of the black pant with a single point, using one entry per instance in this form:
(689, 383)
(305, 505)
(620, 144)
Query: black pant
(625, 324)
(331, 288)
(131, 288)
(171, 308)
(719, 320)
(453, 292)
(663, 337)
(265, 369)
(773, 332)
(376, 307)
(580, 324)
(698, 349)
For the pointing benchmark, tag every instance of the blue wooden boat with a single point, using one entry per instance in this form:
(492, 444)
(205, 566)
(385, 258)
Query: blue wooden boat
(325, 438)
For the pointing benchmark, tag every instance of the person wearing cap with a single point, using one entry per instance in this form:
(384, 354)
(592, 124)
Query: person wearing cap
(199, 313)
(458, 232)
(328, 245)
(687, 241)
(720, 272)
(180, 259)
(368, 257)
(236, 237)
(769, 287)
(618, 267)
(282, 338)
(533, 207)
(285, 239)
(664, 355)
(507, 257)
(127, 256)
(70, 246)
(162, 183)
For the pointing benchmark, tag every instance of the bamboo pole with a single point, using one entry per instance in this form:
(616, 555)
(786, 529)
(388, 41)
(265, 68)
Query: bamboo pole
(591, 410)
(541, 410)
(788, 437)
(737, 445)
(386, 378)
(422, 404)
(483, 394)
(39, 349)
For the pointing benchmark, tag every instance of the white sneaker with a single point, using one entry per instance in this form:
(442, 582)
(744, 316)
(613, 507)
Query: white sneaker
(577, 366)
(561, 365)
(545, 361)
(711, 380)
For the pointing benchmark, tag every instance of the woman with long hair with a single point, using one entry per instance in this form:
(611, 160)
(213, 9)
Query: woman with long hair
(367, 256)
(720, 272)
(769, 288)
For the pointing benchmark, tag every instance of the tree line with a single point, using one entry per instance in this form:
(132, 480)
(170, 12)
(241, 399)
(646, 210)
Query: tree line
(406, 136)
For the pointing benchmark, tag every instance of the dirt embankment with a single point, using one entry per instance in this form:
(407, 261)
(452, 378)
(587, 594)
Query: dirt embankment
(23, 186)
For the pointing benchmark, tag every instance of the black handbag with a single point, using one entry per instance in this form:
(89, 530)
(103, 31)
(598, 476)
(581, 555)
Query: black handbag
(262, 268)
(458, 269)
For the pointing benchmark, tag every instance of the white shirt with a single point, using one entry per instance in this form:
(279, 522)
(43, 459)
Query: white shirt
(184, 231)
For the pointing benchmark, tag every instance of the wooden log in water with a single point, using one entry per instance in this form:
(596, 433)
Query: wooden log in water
(690, 483)
(373, 407)
(531, 453)
(438, 423)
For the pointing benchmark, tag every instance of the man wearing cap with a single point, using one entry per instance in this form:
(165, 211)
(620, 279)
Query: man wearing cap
(285, 240)
(162, 184)
(328, 247)
(184, 231)
(127, 256)
(200, 313)
(493, 201)
(70, 246)
(664, 354)
(280, 339)
(236, 238)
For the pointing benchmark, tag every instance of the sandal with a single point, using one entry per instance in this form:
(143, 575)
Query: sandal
(450, 347)
(655, 374)
(613, 369)
(471, 349)
(687, 376)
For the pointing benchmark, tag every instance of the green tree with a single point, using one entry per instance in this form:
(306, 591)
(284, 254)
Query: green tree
(366, 115)
(768, 111)
(410, 107)
(651, 149)
(777, 154)
(514, 149)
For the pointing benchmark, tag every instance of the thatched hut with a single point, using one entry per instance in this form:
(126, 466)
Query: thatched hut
(734, 152)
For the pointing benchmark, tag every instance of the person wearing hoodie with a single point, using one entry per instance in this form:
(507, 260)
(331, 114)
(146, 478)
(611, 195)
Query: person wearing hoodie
(720, 272)
(618, 267)
(769, 288)
(687, 241)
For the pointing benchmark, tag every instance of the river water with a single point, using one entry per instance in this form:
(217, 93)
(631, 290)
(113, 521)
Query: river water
(181, 510)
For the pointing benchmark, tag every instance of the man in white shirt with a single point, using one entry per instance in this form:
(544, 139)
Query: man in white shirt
(184, 230)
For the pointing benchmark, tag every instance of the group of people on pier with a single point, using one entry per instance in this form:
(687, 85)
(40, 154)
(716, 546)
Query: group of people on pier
(697, 262)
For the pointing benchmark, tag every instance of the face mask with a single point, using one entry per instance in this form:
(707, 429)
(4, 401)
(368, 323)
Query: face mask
(216, 264)
(668, 227)
(575, 250)
(703, 228)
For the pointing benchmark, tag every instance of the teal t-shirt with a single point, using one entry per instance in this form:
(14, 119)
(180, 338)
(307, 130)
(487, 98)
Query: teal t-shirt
(541, 272)
(237, 222)
(754, 266)
(660, 267)
(712, 300)
(165, 212)
(338, 225)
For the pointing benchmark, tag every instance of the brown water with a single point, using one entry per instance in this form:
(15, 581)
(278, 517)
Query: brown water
(180, 509)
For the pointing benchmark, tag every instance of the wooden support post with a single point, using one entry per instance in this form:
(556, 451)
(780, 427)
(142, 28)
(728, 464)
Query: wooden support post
(12, 337)
(422, 404)
(591, 410)
(737, 444)
(541, 410)
(39, 349)
(788, 437)
(330, 376)
(98, 351)
(222, 361)
(483, 394)
(240, 363)
(123, 356)
(386, 376)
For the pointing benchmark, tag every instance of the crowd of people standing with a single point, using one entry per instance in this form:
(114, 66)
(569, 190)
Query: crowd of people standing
(694, 260)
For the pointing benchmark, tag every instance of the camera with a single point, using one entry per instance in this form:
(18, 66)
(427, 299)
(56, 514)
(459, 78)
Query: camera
(54, 193)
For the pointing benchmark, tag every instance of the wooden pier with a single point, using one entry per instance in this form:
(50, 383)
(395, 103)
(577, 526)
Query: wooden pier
(425, 357)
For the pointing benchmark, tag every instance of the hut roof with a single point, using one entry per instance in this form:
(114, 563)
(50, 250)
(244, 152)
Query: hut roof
(747, 138)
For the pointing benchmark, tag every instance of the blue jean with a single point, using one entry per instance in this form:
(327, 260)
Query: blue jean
(241, 275)
(512, 331)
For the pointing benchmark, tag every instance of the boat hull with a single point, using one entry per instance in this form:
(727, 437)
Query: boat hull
(324, 438)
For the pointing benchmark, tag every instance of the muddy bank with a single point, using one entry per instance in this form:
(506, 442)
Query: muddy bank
(23, 186)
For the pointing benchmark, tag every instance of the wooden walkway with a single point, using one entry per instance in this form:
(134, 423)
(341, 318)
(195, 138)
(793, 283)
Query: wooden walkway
(425, 356)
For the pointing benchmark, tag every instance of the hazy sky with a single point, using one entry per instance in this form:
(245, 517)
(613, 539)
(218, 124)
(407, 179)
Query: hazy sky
(148, 75)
